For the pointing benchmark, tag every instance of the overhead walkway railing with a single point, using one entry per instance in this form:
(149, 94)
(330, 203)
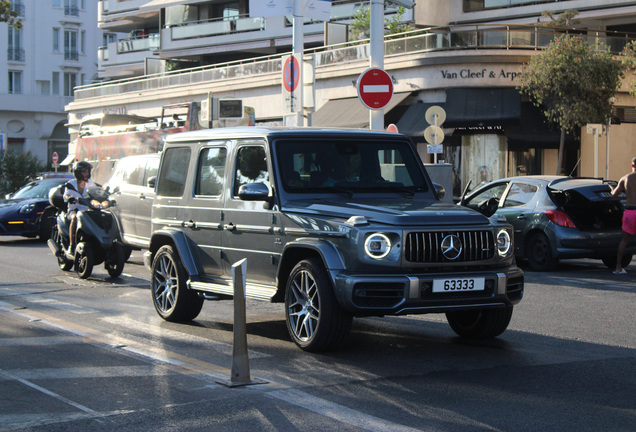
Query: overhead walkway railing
(458, 38)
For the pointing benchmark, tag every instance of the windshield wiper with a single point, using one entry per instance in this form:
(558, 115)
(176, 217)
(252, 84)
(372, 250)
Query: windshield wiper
(337, 189)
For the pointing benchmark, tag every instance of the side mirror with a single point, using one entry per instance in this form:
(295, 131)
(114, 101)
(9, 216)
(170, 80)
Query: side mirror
(116, 189)
(7, 196)
(440, 190)
(152, 181)
(254, 192)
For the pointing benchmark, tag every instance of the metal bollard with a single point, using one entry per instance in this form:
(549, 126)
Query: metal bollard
(240, 359)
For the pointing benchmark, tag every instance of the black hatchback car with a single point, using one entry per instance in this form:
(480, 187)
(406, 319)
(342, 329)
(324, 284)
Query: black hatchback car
(556, 217)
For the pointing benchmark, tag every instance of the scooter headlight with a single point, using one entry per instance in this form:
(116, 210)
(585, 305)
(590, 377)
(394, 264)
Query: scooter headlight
(96, 204)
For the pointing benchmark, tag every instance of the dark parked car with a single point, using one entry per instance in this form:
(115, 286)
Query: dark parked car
(557, 217)
(129, 186)
(23, 212)
(333, 223)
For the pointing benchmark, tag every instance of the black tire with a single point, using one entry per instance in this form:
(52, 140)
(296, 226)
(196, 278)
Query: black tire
(62, 262)
(539, 253)
(315, 321)
(115, 260)
(127, 251)
(84, 261)
(480, 324)
(611, 262)
(172, 299)
(46, 225)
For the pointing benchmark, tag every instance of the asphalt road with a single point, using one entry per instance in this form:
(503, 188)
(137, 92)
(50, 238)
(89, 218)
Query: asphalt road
(92, 355)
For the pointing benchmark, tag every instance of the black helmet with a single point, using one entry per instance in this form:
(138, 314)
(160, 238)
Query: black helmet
(82, 166)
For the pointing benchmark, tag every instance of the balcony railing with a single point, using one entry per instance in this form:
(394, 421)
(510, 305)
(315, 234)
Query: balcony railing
(150, 42)
(464, 38)
(71, 55)
(479, 5)
(18, 7)
(71, 11)
(216, 26)
(15, 54)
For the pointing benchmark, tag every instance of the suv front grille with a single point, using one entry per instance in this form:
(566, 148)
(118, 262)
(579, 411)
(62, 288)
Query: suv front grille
(426, 247)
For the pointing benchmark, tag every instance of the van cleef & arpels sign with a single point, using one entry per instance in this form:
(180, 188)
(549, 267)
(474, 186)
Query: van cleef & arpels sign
(482, 73)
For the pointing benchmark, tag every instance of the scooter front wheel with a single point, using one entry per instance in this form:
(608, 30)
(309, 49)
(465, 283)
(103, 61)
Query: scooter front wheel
(84, 260)
(115, 261)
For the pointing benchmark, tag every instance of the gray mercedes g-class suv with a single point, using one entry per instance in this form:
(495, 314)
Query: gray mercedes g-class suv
(334, 223)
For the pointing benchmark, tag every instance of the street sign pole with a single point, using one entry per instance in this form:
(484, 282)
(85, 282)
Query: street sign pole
(298, 48)
(376, 117)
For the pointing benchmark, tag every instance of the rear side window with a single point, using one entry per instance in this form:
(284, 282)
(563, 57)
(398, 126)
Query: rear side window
(520, 194)
(211, 171)
(134, 172)
(174, 172)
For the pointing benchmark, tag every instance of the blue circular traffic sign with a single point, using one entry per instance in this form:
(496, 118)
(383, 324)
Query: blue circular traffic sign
(291, 74)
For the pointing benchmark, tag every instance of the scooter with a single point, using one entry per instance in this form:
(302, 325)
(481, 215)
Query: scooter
(98, 236)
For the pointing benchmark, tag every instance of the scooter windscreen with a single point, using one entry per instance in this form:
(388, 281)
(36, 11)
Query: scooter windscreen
(97, 198)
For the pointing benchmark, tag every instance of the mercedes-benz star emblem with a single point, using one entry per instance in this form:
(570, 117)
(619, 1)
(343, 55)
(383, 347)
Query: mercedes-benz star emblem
(451, 247)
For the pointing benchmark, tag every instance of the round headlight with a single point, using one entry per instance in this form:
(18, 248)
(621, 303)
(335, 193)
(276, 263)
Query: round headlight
(377, 246)
(503, 242)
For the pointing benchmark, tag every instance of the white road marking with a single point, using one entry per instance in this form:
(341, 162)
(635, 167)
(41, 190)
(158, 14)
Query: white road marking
(339, 412)
(46, 392)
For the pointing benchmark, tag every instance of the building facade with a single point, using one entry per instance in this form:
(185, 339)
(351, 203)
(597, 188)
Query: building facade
(464, 56)
(55, 51)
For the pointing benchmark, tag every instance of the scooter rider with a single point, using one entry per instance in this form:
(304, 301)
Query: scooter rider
(73, 190)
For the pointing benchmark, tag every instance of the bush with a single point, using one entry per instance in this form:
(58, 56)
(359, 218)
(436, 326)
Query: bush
(16, 169)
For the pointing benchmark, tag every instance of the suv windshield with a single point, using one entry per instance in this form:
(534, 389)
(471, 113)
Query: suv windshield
(37, 189)
(349, 166)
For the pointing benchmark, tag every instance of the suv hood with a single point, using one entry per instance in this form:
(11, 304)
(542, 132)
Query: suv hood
(407, 212)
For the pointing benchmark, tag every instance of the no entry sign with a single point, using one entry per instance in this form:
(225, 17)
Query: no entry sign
(54, 157)
(375, 88)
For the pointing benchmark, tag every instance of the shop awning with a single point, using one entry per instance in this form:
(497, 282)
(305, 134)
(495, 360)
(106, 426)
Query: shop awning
(413, 122)
(534, 131)
(350, 112)
(160, 4)
(68, 160)
(466, 107)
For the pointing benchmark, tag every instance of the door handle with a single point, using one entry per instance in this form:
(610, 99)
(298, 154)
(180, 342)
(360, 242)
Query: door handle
(190, 224)
(142, 196)
(522, 217)
(229, 227)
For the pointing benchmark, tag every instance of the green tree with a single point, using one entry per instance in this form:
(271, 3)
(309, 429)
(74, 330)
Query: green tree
(16, 169)
(628, 58)
(573, 83)
(566, 19)
(360, 27)
(9, 16)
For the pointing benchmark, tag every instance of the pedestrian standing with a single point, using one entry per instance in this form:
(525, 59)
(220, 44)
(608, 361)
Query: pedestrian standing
(626, 184)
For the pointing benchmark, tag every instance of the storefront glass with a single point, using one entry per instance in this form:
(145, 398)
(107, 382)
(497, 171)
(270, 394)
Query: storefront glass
(483, 158)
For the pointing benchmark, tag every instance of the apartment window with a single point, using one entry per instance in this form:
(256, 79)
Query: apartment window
(83, 5)
(17, 6)
(57, 3)
(15, 52)
(70, 45)
(55, 83)
(83, 42)
(43, 87)
(15, 145)
(83, 79)
(70, 82)
(15, 82)
(108, 38)
(71, 8)
(56, 39)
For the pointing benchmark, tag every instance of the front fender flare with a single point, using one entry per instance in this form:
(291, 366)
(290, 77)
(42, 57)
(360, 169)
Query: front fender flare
(184, 248)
